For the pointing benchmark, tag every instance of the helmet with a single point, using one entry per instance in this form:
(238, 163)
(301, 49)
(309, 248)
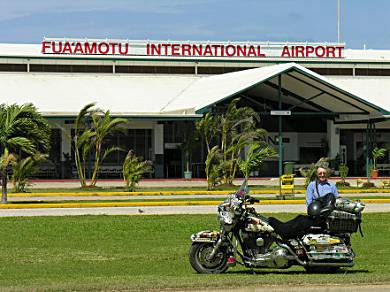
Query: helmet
(322, 206)
(329, 201)
(314, 209)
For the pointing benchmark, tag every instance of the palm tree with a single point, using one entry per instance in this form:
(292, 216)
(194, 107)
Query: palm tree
(255, 157)
(92, 126)
(232, 131)
(22, 129)
(103, 125)
(82, 141)
(207, 126)
(212, 166)
(376, 154)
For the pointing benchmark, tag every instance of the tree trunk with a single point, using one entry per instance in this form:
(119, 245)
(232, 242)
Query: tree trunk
(96, 165)
(4, 186)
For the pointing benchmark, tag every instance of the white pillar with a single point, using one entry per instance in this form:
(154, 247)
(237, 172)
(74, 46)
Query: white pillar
(333, 135)
(158, 139)
(158, 147)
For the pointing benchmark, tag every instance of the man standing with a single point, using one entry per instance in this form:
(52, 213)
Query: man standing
(320, 187)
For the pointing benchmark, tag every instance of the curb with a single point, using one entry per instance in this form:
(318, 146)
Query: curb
(167, 193)
(159, 203)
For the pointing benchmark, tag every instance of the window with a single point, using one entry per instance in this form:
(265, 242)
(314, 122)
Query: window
(13, 67)
(332, 71)
(70, 68)
(155, 69)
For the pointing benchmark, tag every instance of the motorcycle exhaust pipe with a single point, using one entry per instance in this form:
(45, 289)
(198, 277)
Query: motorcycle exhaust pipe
(303, 263)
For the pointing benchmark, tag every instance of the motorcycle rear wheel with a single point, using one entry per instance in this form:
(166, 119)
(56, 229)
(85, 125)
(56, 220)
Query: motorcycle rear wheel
(199, 261)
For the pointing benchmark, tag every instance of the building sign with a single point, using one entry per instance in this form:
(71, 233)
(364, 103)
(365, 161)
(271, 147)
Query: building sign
(280, 113)
(191, 49)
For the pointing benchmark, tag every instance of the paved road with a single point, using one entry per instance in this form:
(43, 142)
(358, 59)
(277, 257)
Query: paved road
(161, 210)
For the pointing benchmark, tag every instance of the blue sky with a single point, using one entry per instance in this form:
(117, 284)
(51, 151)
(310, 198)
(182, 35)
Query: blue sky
(363, 21)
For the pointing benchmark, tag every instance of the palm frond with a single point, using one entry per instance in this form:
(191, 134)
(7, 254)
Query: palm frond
(111, 149)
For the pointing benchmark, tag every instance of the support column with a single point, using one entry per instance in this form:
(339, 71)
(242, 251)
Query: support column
(158, 146)
(370, 145)
(280, 138)
(333, 135)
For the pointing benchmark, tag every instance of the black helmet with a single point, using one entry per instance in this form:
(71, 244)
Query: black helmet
(329, 200)
(314, 209)
(322, 206)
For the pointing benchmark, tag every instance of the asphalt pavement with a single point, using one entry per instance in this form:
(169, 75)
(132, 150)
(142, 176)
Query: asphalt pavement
(158, 210)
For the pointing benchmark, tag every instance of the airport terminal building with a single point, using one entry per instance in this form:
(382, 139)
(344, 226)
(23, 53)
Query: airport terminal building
(321, 99)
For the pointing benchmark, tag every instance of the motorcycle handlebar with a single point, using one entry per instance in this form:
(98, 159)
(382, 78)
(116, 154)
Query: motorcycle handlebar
(251, 200)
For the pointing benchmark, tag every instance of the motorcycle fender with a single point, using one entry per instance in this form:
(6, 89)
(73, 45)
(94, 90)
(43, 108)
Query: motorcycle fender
(205, 236)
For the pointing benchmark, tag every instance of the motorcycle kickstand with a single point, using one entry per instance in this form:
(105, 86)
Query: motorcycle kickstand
(252, 271)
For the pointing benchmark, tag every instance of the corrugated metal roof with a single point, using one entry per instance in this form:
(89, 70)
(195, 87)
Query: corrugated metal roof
(375, 89)
(300, 85)
(66, 94)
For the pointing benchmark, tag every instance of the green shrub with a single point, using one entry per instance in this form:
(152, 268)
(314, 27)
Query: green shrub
(342, 184)
(368, 185)
(134, 169)
(23, 169)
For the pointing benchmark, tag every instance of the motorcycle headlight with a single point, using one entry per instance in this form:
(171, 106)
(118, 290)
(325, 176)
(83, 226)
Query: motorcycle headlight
(226, 217)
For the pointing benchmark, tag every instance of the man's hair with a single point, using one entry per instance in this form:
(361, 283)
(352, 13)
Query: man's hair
(325, 168)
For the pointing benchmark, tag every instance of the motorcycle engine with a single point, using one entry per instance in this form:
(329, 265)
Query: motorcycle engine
(255, 243)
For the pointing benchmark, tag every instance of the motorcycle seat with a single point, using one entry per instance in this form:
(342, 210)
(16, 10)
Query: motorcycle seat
(294, 228)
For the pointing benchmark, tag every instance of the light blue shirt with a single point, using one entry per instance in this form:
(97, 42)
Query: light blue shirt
(323, 189)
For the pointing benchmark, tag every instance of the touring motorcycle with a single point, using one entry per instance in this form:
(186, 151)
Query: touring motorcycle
(319, 244)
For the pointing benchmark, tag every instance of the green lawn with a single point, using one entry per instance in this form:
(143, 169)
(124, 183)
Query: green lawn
(150, 252)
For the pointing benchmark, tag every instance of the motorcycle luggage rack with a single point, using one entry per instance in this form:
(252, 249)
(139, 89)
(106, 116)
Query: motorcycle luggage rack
(343, 222)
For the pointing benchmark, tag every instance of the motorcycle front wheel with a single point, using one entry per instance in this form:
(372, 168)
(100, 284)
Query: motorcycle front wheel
(202, 263)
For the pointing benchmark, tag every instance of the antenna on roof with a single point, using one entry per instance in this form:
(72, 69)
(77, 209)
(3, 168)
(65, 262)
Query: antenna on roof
(338, 22)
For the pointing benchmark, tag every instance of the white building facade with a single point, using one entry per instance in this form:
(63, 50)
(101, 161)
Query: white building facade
(335, 101)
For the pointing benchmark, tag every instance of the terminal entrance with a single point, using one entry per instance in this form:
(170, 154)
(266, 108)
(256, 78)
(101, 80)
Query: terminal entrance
(173, 163)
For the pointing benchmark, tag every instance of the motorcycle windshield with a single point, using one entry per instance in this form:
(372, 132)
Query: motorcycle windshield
(243, 190)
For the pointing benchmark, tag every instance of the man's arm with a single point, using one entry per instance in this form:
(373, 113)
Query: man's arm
(334, 191)
(309, 194)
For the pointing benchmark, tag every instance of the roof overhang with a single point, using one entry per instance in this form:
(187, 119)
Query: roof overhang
(300, 88)
(170, 97)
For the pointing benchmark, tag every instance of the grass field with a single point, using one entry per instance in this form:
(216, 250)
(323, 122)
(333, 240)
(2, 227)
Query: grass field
(151, 252)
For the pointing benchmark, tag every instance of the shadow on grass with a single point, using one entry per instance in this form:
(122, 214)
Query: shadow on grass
(303, 272)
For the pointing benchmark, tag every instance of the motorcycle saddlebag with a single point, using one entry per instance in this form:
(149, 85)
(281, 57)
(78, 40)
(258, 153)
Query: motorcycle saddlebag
(343, 222)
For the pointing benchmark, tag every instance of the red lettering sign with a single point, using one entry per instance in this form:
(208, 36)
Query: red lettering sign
(182, 49)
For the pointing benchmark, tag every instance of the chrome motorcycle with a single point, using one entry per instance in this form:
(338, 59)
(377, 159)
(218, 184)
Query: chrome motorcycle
(321, 244)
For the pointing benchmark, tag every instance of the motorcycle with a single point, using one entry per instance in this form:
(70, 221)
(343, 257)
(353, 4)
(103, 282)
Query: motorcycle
(319, 244)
